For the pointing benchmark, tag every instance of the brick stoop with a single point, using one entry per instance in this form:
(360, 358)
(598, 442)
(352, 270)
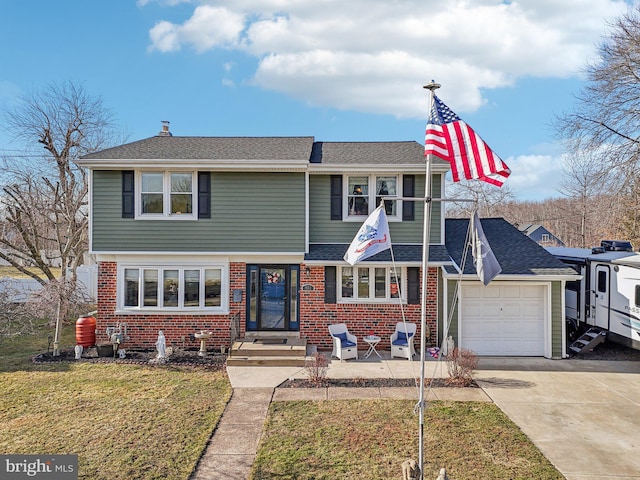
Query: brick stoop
(268, 351)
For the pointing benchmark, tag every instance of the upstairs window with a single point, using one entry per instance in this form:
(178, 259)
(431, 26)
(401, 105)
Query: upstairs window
(364, 194)
(166, 194)
(358, 195)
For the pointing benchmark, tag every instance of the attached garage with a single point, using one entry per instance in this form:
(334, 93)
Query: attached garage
(504, 318)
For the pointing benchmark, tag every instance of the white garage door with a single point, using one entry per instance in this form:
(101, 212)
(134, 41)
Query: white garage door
(503, 319)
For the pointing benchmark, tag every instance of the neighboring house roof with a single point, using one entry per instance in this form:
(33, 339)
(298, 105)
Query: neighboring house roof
(537, 232)
(334, 252)
(516, 253)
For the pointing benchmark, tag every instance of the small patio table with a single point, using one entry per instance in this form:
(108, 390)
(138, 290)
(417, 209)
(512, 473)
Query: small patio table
(372, 341)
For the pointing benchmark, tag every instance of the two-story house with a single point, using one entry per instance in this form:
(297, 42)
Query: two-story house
(196, 233)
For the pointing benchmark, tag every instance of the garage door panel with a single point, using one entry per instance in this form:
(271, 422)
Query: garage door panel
(510, 291)
(482, 312)
(502, 319)
(511, 310)
(532, 329)
(490, 346)
(530, 291)
(511, 330)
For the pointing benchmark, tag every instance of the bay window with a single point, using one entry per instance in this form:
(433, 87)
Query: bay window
(183, 288)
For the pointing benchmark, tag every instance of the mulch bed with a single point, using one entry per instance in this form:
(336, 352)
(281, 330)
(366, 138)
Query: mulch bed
(185, 358)
(189, 358)
(370, 382)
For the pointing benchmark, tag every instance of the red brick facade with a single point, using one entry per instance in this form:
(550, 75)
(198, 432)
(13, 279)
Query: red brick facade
(315, 314)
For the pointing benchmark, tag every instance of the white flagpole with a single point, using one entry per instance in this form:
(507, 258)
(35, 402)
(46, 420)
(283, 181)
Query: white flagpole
(432, 86)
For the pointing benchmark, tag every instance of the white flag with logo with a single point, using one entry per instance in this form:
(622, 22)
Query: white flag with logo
(483, 258)
(373, 237)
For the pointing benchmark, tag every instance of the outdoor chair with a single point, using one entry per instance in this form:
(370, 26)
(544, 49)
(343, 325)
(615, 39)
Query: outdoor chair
(402, 340)
(345, 345)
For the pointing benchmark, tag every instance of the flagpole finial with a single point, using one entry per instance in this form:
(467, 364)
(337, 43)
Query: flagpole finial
(432, 85)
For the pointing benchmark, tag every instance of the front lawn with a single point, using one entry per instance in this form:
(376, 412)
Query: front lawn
(123, 421)
(371, 438)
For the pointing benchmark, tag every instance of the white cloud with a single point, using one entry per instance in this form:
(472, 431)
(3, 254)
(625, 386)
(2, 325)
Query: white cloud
(535, 177)
(366, 55)
(208, 28)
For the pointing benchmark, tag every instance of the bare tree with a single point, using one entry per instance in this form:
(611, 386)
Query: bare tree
(44, 202)
(45, 195)
(585, 179)
(487, 199)
(605, 123)
(606, 116)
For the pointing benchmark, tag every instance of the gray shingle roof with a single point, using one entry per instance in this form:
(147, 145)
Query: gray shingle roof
(516, 253)
(210, 148)
(369, 153)
(334, 252)
(267, 148)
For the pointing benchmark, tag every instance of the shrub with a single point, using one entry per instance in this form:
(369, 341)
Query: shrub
(461, 362)
(316, 369)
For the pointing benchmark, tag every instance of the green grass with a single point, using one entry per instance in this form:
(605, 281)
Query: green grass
(371, 438)
(144, 422)
(123, 421)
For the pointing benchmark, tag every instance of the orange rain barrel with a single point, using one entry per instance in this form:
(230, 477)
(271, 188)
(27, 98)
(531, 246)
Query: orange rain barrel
(86, 331)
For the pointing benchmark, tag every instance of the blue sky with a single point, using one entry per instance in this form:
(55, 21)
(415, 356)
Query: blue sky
(338, 70)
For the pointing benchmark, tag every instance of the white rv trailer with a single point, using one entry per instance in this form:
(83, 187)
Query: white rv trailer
(608, 296)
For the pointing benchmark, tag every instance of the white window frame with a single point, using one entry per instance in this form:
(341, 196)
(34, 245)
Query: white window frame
(223, 308)
(371, 197)
(166, 196)
(372, 298)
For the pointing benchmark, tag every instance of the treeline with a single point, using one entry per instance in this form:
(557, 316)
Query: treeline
(576, 223)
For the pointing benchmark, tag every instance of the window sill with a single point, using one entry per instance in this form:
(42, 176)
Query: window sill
(167, 217)
(362, 218)
(172, 311)
(367, 301)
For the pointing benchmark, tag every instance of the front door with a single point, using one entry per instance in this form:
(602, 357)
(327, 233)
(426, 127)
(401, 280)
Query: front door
(602, 295)
(272, 300)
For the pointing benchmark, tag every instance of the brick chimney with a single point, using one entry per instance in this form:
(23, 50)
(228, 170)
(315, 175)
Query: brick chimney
(165, 129)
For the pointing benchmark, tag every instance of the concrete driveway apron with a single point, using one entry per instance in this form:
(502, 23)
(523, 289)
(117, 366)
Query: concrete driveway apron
(583, 415)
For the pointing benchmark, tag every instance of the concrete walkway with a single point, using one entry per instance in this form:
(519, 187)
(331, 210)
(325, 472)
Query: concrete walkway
(583, 415)
(234, 444)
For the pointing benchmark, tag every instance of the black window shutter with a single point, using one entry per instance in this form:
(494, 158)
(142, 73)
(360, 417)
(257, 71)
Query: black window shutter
(204, 194)
(413, 287)
(330, 285)
(128, 194)
(408, 190)
(336, 197)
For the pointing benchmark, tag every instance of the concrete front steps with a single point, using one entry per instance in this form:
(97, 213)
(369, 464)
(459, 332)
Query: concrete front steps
(272, 351)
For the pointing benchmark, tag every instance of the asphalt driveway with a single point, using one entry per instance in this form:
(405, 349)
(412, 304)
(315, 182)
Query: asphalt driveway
(583, 415)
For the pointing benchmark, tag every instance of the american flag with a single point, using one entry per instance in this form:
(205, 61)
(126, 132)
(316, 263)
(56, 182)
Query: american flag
(453, 140)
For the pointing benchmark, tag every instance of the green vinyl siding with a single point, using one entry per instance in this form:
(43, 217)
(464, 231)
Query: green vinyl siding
(324, 230)
(250, 212)
(452, 303)
(557, 319)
